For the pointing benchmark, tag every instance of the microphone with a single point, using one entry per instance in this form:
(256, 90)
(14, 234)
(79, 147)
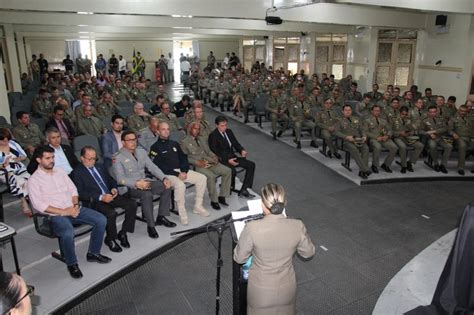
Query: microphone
(254, 217)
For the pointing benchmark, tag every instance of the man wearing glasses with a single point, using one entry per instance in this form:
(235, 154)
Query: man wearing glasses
(98, 191)
(129, 165)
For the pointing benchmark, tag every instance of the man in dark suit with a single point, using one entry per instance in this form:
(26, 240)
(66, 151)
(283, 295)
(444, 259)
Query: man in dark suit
(98, 191)
(224, 144)
(62, 124)
(64, 156)
(111, 142)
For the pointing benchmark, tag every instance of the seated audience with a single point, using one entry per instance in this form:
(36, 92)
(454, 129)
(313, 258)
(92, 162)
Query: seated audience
(181, 107)
(349, 128)
(98, 190)
(12, 168)
(149, 136)
(42, 106)
(111, 140)
(139, 119)
(62, 124)
(224, 144)
(435, 129)
(167, 116)
(129, 168)
(207, 163)
(26, 133)
(169, 157)
(53, 193)
(461, 129)
(89, 124)
(64, 156)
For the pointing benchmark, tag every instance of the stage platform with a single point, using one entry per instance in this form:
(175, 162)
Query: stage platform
(422, 172)
(55, 290)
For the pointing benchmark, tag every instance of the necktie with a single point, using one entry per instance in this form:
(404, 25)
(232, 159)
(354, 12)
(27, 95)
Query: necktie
(329, 114)
(349, 119)
(224, 134)
(434, 120)
(134, 156)
(65, 128)
(197, 142)
(419, 112)
(378, 124)
(99, 181)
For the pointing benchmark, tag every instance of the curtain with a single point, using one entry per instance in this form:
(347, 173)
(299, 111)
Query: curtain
(196, 48)
(73, 49)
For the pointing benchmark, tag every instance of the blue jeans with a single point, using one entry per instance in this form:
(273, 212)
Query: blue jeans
(63, 228)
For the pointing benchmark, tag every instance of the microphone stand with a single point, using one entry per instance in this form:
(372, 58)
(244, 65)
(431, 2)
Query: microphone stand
(219, 227)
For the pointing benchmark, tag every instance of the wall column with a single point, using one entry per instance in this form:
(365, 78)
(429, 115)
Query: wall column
(4, 107)
(20, 42)
(12, 58)
(269, 51)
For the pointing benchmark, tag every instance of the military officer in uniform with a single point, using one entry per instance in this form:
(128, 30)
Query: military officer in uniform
(42, 107)
(392, 111)
(139, 93)
(375, 95)
(207, 163)
(379, 132)
(444, 112)
(149, 136)
(139, 119)
(167, 116)
(27, 134)
(278, 110)
(363, 108)
(435, 128)
(299, 114)
(461, 129)
(326, 121)
(429, 99)
(403, 127)
(384, 102)
(106, 107)
(353, 94)
(249, 93)
(206, 128)
(90, 125)
(129, 167)
(169, 157)
(417, 113)
(349, 128)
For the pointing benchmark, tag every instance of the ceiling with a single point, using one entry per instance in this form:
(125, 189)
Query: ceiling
(175, 19)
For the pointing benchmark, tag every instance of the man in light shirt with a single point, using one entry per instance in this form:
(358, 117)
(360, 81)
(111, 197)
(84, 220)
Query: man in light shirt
(170, 68)
(53, 193)
(63, 154)
(122, 66)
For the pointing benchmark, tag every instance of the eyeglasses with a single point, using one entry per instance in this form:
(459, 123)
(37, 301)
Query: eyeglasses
(134, 139)
(29, 291)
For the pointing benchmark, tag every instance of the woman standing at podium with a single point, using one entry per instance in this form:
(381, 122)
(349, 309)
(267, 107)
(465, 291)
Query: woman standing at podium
(272, 242)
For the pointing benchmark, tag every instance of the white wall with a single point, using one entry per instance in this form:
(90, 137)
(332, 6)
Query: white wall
(54, 50)
(219, 47)
(454, 48)
(150, 50)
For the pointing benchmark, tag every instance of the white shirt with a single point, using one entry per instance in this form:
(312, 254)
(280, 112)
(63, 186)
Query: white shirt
(185, 66)
(170, 64)
(122, 65)
(60, 160)
(226, 60)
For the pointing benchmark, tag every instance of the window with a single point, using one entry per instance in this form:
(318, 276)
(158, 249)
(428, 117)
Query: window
(254, 50)
(395, 57)
(331, 54)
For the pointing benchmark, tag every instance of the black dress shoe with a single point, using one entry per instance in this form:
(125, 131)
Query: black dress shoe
(279, 133)
(246, 121)
(337, 155)
(74, 271)
(313, 144)
(162, 220)
(274, 135)
(123, 239)
(443, 169)
(152, 232)
(246, 194)
(298, 145)
(101, 259)
(375, 169)
(368, 173)
(404, 170)
(436, 168)
(386, 168)
(113, 246)
(362, 175)
(255, 120)
(222, 201)
(215, 206)
(461, 172)
(410, 167)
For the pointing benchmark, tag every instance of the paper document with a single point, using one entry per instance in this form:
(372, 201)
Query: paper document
(255, 207)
